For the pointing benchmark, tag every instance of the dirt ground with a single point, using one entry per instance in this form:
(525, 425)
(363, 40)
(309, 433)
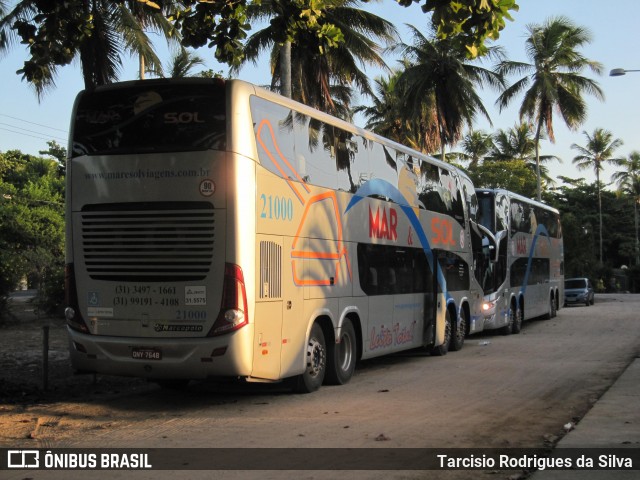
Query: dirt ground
(22, 376)
(550, 375)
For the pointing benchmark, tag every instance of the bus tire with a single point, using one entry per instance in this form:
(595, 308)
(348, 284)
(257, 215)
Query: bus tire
(441, 350)
(315, 362)
(458, 333)
(508, 328)
(552, 307)
(341, 357)
(516, 326)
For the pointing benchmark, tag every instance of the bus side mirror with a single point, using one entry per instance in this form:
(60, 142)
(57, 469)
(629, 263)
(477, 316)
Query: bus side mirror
(489, 243)
(500, 237)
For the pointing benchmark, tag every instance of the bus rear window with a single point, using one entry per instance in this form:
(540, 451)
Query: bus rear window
(150, 118)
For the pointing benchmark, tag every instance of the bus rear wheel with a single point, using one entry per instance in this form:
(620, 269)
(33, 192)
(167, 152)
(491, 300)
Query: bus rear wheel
(516, 326)
(316, 362)
(459, 330)
(552, 309)
(441, 350)
(515, 321)
(341, 356)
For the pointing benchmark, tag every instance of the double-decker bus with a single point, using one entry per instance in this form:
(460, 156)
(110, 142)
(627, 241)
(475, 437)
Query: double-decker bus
(525, 277)
(216, 229)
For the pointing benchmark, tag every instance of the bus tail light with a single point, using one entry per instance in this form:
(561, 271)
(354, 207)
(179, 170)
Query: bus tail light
(72, 310)
(233, 310)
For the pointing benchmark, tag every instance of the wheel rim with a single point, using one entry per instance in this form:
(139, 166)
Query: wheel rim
(345, 352)
(316, 358)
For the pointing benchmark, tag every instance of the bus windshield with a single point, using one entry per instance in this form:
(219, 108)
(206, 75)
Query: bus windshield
(155, 117)
(486, 210)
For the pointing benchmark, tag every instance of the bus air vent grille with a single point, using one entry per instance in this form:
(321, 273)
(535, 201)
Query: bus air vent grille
(162, 242)
(270, 270)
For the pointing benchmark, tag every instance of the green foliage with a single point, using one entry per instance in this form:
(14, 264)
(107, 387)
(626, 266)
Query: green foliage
(56, 151)
(387, 116)
(579, 213)
(95, 31)
(98, 31)
(307, 68)
(513, 175)
(470, 22)
(51, 31)
(598, 151)
(32, 225)
(552, 81)
(438, 69)
(223, 25)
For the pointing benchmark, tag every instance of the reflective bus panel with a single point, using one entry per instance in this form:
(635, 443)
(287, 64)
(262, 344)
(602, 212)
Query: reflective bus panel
(525, 277)
(217, 229)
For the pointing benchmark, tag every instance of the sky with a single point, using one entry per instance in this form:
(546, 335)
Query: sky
(27, 123)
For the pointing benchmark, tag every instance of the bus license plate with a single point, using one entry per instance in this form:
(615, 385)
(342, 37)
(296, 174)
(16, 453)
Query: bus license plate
(139, 353)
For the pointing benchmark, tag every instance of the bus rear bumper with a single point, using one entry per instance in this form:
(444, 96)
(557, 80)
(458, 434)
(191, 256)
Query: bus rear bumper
(163, 358)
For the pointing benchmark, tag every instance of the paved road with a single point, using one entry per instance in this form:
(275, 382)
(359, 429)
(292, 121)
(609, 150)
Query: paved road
(499, 392)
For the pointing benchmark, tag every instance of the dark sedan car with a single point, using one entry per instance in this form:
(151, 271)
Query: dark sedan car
(578, 290)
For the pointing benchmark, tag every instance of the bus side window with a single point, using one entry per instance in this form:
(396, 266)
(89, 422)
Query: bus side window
(429, 188)
(391, 280)
(502, 213)
(274, 136)
(383, 164)
(352, 162)
(316, 143)
(372, 281)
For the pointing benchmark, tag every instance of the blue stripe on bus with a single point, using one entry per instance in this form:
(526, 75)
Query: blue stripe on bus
(384, 188)
(541, 230)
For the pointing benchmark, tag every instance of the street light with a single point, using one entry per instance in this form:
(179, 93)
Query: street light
(618, 72)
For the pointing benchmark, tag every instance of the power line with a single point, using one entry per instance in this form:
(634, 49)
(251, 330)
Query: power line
(33, 136)
(33, 123)
(31, 131)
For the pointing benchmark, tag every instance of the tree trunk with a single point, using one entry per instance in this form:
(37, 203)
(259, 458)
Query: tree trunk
(635, 216)
(538, 182)
(285, 69)
(599, 207)
(141, 66)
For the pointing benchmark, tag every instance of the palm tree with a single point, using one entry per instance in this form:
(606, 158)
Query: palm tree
(387, 116)
(517, 143)
(137, 17)
(181, 64)
(476, 145)
(4, 7)
(555, 79)
(439, 69)
(321, 80)
(597, 152)
(628, 181)
(116, 27)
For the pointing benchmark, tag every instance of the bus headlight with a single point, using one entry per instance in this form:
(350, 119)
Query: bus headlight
(488, 306)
